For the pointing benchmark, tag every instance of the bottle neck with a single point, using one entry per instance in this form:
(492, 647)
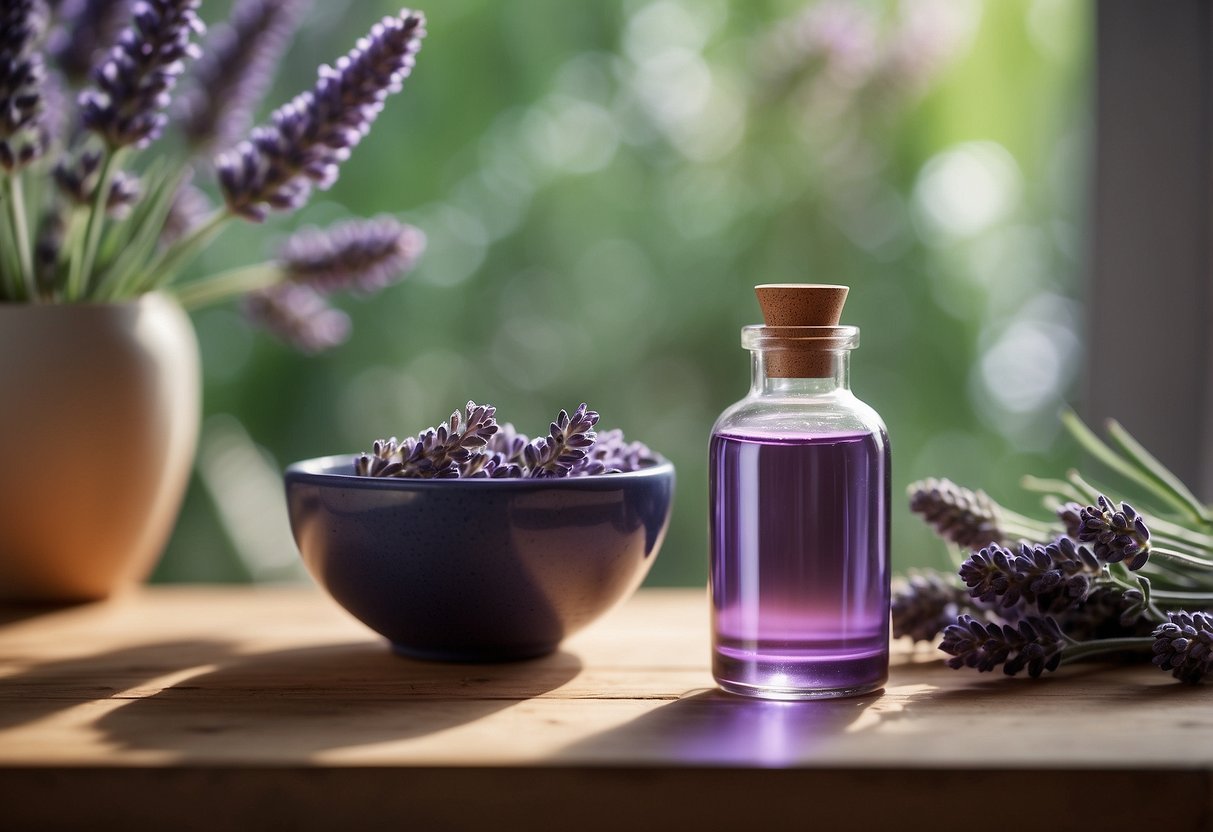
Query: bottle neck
(839, 379)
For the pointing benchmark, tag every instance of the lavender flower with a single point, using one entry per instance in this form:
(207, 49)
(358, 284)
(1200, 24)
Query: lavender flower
(86, 29)
(1052, 577)
(309, 137)
(299, 316)
(567, 443)
(436, 452)
(1107, 612)
(132, 87)
(614, 454)
(1118, 535)
(965, 517)
(21, 76)
(124, 192)
(1034, 643)
(77, 180)
(48, 245)
(1184, 646)
(359, 255)
(925, 604)
(235, 70)
(508, 442)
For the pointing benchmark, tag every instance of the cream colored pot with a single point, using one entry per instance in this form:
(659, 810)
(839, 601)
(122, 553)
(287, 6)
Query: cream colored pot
(99, 408)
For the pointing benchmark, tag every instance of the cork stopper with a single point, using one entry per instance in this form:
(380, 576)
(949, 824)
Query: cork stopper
(800, 304)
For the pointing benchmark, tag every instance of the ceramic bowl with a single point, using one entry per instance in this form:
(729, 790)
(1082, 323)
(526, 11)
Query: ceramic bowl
(477, 569)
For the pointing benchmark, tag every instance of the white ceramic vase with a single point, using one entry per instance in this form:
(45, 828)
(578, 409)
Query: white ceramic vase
(99, 409)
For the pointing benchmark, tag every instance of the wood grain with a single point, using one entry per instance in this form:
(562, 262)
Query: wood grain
(271, 708)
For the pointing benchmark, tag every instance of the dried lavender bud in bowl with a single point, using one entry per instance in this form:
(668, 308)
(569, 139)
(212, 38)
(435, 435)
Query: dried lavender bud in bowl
(475, 446)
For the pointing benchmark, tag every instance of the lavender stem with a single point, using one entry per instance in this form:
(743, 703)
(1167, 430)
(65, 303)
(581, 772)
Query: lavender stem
(229, 284)
(16, 208)
(170, 261)
(82, 266)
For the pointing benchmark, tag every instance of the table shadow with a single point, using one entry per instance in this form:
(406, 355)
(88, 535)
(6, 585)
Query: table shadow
(48, 687)
(15, 612)
(288, 704)
(714, 728)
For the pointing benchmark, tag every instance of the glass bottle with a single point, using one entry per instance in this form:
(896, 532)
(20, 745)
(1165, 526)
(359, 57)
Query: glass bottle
(799, 489)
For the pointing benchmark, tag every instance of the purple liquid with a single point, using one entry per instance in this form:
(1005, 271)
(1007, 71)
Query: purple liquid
(800, 568)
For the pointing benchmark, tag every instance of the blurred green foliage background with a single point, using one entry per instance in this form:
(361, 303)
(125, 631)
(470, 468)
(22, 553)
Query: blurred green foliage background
(603, 183)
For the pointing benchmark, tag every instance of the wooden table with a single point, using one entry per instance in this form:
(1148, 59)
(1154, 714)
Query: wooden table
(221, 708)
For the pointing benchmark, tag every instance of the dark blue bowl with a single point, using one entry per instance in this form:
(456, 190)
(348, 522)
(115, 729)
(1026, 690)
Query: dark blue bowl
(477, 569)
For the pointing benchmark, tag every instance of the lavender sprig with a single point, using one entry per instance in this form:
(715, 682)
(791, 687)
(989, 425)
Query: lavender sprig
(362, 256)
(567, 443)
(1184, 645)
(299, 316)
(436, 452)
(1052, 577)
(967, 518)
(86, 28)
(22, 139)
(925, 603)
(309, 137)
(235, 70)
(1034, 643)
(131, 87)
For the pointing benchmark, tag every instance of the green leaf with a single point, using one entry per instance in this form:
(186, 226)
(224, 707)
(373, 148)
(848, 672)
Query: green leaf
(1149, 465)
(1095, 446)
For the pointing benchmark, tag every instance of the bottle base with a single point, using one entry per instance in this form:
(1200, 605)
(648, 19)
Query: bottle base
(798, 694)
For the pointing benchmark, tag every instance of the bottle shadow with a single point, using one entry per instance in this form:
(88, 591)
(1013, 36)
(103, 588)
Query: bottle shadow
(714, 728)
(291, 703)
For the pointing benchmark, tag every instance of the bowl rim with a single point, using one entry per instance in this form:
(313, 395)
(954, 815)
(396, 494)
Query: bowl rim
(316, 471)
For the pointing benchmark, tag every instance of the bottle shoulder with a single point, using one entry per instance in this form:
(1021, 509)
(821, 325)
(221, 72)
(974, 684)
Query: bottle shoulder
(808, 415)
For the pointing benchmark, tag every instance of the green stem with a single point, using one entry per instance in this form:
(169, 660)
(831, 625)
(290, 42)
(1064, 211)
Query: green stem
(16, 207)
(164, 267)
(82, 266)
(1118, 463)
(1159, 474)
(1180, 557)
(1097, 647)
(10, 267)
(229, 284)
(1056, 488)
(1174, 598)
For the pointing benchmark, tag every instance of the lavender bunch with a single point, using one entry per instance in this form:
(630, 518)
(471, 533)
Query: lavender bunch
(131, 88)
(569, 449)
(21, 77)
(141, 224)
(1106, 581)
(309, 137)
(235, 70)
